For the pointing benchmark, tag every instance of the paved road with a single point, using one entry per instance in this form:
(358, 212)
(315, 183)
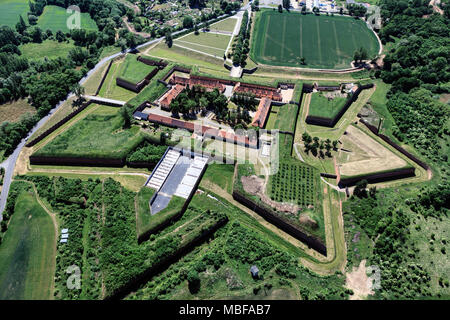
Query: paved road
(10, 162)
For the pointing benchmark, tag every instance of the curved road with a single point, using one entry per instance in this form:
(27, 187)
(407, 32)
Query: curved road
(10, 162)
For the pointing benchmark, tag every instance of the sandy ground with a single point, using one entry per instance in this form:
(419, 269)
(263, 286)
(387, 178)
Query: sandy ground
(366, 155)
(23, 161)
(359, 282)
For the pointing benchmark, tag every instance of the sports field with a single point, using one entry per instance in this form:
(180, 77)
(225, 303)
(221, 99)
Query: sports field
(27, 252)
(55, 18)
(10, 11)
(325, 42)
(210, 43)
(320, 106)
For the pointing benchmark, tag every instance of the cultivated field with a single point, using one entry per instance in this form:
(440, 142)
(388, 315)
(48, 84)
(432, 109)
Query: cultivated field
(364, 154)
(100, 134)
(10, 11)
(324, 41)
(320, 106)
(55, 18)
(133, 70)
(27, 252)
(210, 43)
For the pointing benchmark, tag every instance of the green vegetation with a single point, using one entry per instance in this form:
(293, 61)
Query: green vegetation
(147, 222)
(219, 174)
(109, 87)
(27, 250)
(147, 153)
(321, 106)
(286, 118)
(55, 18)
(10, 11)
(49, 48)
(98, 135)
(211, 43)
(132, 70)
(224, 25)
(283, 39)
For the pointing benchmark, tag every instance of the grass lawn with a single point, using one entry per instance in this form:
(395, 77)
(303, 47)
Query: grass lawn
(145, 220)
(282, 118)
(220, 174)
(10, 11)
(12, 111)
(49, 48)
(210, 43)
(224, 25)
(320, 106)
(133, 70)
(98, 135)
(27, 252)
(110, 89)
(324, 41)
(55, 18)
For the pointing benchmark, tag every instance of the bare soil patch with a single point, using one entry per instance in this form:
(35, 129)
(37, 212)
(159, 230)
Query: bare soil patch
(13, 111)
(359, 282)
(255, 186)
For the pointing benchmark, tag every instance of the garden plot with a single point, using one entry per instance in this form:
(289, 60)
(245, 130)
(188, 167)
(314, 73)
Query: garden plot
(209, 43)
(360, 154)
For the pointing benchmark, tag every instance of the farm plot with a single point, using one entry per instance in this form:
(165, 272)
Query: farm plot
(13, 111)
(27, 252)
(212, 44)
(293, 183)
(321, 106)
(365, 155)
(10, 11)
(132, 70)
(55, 18)
(324, 41)
(98, 135)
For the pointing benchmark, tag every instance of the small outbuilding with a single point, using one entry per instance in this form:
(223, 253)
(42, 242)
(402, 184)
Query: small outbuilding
(254, 271)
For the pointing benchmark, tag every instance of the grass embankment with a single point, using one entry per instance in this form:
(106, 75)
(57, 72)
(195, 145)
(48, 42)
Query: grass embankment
(320, 106)
(99, 135)
(132, 70)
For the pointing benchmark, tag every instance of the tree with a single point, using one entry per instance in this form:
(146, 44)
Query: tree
(169, 40)
(127, 116)
(188, 22)
(193, 281)
(280, 8)
(286, 4)
(360, 189)
(78, 91)
(302, 61)
(21, 25)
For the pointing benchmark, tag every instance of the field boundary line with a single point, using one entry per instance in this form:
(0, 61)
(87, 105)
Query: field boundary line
(207, 54)
(201, 45)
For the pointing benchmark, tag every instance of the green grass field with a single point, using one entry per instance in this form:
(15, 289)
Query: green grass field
(109, 87)
(49, 48)
(210, 43)
(10, 11)
(133, 70)
(98, 135)
(285, 118)
(324, 42)
(27, 252)
(224, 25)
(55, 18)
(320, 106)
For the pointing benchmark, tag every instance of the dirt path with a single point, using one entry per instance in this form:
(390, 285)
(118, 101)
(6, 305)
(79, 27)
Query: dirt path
(132, 30)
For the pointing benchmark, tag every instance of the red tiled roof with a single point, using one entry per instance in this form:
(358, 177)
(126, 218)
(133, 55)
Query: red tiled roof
(261, 113)
(170, 95)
